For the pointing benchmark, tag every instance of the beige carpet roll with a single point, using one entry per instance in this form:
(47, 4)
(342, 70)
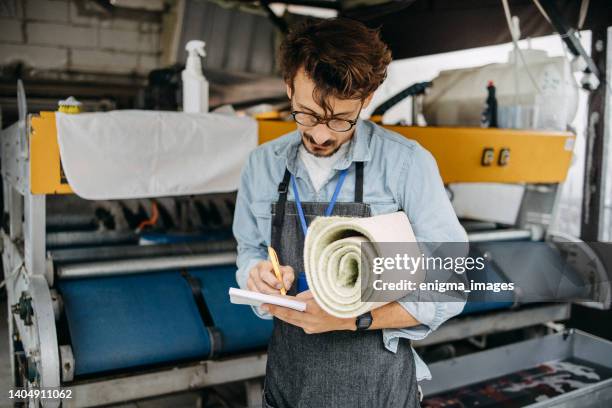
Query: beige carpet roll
(332, 259)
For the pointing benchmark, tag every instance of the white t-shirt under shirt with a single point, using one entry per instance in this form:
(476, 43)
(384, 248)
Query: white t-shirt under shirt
(319, 168)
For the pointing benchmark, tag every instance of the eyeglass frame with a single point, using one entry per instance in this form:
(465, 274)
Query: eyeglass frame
(326, 121)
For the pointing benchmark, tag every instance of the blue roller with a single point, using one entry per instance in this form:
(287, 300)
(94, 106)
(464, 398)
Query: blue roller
(240, 328)
(538, 270)
(173, 238)
(484, 301)
(133, 321)
(140, 320)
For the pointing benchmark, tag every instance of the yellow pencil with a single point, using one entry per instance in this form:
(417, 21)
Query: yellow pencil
(276, 267)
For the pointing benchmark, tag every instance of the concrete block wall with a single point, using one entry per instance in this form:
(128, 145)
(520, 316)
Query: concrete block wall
(78, 35)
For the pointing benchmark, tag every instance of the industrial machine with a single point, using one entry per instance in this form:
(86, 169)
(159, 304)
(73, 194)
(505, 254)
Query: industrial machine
(125, 299)
(95, 294)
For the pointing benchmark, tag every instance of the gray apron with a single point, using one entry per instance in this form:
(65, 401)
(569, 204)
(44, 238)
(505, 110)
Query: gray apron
(339, 369)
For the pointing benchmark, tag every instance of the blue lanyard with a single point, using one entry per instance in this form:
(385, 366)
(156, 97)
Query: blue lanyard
(330, 207)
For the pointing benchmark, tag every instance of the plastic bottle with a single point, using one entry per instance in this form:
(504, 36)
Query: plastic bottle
(195, 86)
(489, 114)
(69, 105)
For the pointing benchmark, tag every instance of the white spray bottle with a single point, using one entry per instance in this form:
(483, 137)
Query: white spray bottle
(195, 86)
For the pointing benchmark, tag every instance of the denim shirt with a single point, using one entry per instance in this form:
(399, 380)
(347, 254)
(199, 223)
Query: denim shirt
(399, 174)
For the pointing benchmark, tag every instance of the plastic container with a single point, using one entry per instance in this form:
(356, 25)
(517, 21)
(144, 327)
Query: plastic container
(69, 105)
(456, 96)
(195, 85)
(570, 369)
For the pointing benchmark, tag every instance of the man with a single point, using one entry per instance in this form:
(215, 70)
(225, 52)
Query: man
(331, 70)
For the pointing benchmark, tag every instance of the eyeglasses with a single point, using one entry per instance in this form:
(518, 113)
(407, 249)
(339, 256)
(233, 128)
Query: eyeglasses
(337, 125)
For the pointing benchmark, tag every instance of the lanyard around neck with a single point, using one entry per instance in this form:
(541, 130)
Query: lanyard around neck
(330, 206)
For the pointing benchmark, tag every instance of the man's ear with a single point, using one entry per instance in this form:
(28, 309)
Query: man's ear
(288, 91)
(367, 100)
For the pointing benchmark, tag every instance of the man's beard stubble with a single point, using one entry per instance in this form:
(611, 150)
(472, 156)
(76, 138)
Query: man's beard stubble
(310, 139)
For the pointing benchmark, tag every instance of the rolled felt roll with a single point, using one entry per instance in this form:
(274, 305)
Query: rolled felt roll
(333, 264)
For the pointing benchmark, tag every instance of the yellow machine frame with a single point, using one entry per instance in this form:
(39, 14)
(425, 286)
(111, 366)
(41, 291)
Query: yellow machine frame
(462, 154)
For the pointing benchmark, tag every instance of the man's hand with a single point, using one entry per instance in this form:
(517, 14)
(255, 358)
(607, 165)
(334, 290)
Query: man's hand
(263, 280)
(313, 319)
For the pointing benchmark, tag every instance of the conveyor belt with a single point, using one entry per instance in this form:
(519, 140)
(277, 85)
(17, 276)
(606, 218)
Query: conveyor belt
(130, 321)
(537, 269)
(483, 301)
(68, 256)
(123, 322)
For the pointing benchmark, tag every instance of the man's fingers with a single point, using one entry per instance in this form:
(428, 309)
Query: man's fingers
(288, 275)
(312, 306)
(251, 284)
(284, 312)
(264, 265)
(263, 287)
(270, 278)
(263, 279)
(266, 273)
(256, 278)
(291, 321)
(305, 321)
(307, 294)
(286, 269)
(287, 315)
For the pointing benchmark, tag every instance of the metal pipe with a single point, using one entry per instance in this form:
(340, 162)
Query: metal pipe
(478, 226)
(113, 390)
(502, 235)
(134, 266)
(66, 256)
(70, 222)
(89, 238)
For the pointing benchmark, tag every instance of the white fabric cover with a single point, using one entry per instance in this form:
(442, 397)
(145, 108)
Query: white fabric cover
(331, 261)
(138, 154)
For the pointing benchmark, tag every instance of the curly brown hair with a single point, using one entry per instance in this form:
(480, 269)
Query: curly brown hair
(344, 58)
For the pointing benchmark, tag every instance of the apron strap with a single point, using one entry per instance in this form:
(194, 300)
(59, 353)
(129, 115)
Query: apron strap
(359, 182)
(277, 222)
(283, 189)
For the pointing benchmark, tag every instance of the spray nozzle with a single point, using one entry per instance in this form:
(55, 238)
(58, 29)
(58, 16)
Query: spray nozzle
(196, 47)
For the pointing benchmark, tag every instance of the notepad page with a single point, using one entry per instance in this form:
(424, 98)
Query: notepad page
(247, 297)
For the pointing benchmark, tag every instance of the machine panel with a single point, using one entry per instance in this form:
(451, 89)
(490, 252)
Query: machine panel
(462, 154)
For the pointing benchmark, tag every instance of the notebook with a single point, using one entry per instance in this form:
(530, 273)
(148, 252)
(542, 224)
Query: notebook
(247, 297)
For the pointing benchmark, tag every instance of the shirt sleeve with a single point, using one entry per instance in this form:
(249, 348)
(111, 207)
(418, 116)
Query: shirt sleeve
(251, 245)
(423, 197)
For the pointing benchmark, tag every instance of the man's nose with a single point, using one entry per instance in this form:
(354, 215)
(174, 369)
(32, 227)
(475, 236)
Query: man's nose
(320, 134)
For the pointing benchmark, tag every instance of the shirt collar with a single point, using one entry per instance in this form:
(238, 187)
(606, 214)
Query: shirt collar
(358, 151)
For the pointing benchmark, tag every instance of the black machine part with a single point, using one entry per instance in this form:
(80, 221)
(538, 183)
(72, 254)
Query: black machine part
(415, 89)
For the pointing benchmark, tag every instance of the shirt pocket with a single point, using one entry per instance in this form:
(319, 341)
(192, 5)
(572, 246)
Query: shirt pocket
(383, 207)
(262, 210)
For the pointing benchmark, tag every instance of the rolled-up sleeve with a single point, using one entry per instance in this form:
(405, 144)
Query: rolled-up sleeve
(433, 219)
(251, 245)
(424, 199)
